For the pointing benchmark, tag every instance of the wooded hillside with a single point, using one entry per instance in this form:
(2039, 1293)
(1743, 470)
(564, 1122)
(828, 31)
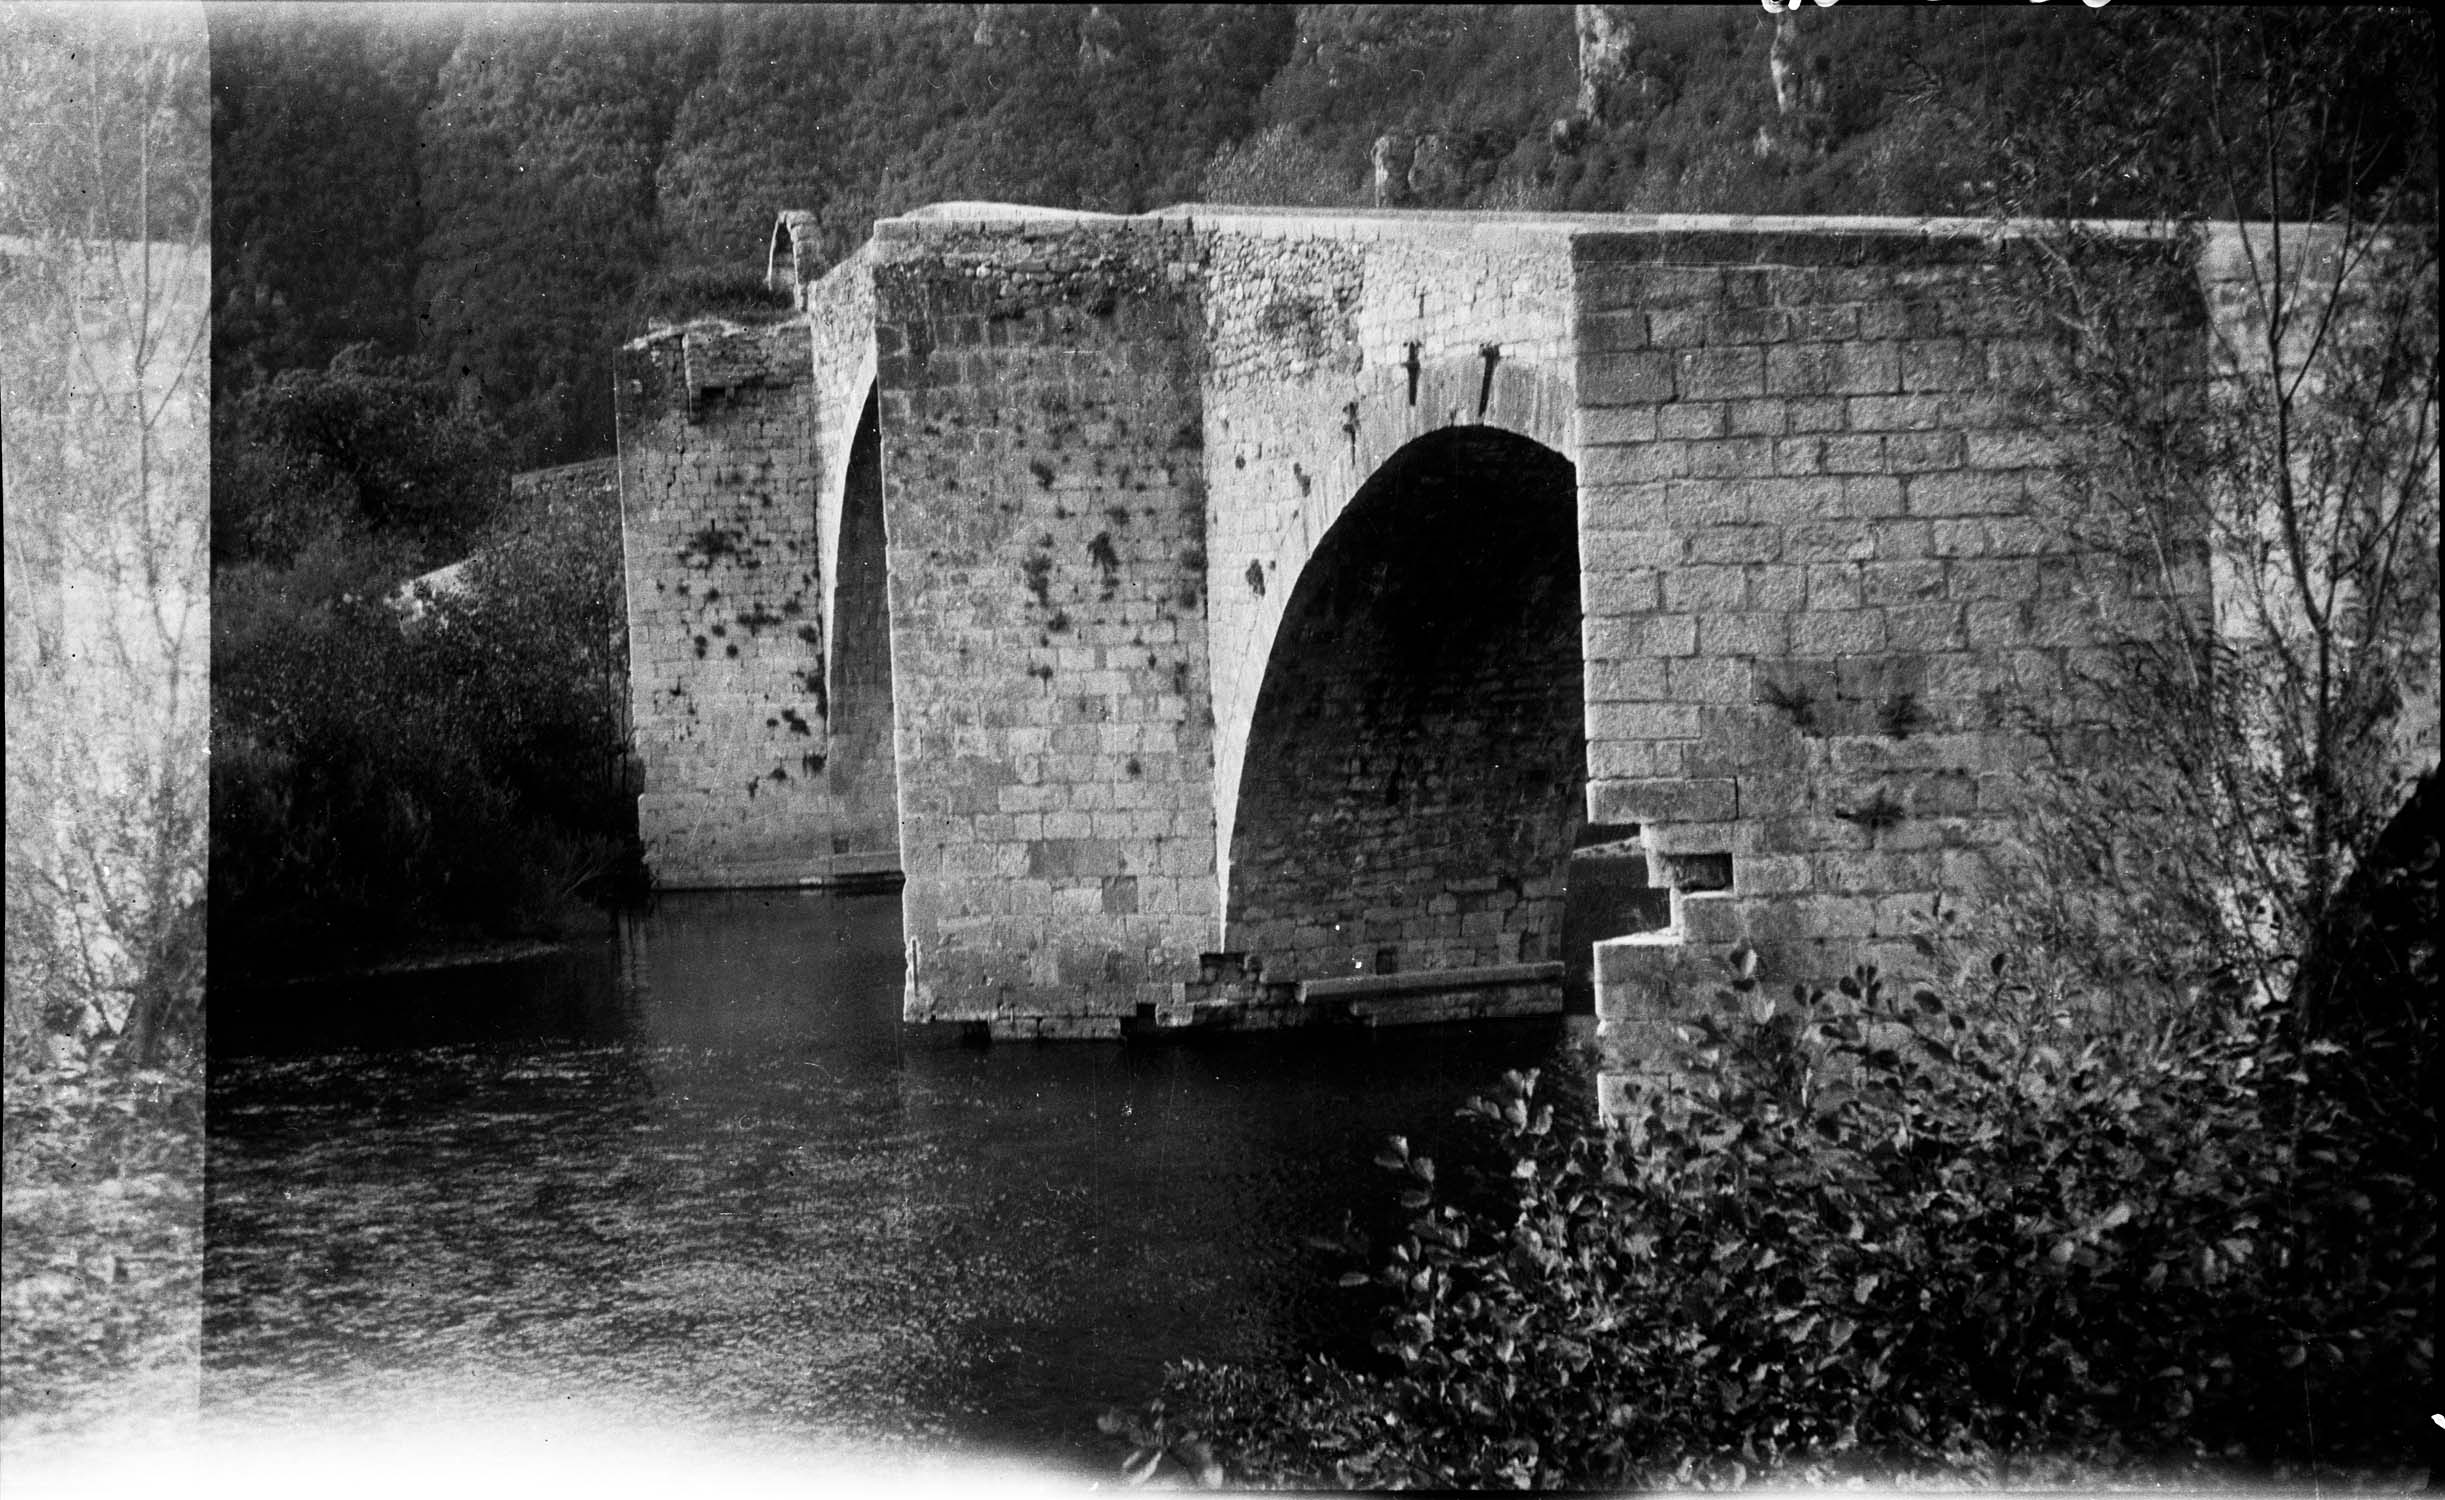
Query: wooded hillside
(513, 195)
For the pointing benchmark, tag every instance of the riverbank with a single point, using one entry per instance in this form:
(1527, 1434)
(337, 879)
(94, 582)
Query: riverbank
(437, 957)
(578, 925)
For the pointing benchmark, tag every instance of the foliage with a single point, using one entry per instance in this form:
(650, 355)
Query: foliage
(394, 770)
(377, 445)
(315, 249)
(1881, 1234)
(101, 129)
(2276, 505)
(536, 165)
(105, 540)
(105, 199)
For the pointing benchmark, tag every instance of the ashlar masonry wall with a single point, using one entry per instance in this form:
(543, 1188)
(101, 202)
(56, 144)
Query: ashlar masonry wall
(1825, 606)
(719, 473)
(1042, 438)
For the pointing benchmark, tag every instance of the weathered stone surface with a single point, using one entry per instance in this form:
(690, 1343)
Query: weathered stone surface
(1296, 584)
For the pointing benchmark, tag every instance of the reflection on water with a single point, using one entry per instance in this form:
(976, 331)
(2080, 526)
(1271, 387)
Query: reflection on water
(703, 1178)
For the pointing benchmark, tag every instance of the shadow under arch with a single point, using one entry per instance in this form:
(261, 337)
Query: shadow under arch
(858, 680)
(1416, 764)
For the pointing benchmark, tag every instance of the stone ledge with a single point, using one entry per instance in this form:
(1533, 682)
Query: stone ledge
(875, 871)
(1359, 987)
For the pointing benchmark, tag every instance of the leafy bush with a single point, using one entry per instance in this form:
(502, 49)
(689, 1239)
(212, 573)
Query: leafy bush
(384, 774)
(1878, 1233)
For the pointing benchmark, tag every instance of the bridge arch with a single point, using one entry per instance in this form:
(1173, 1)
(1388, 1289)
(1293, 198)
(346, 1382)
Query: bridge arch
(1414, 766)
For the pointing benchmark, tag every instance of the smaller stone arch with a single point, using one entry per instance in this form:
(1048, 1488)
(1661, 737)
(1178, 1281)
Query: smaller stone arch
(859, 705)
(787, 257)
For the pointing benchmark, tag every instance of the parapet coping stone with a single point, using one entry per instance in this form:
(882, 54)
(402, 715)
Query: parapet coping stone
(1707, 238)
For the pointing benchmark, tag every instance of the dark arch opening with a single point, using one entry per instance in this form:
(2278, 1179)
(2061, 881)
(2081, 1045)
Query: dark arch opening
(865, 781)
(1416, 766)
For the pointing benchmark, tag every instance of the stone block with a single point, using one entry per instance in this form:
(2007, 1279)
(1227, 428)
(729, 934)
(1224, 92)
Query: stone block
(1642, 721)
(1621, 565)
(1689, 419)
(1832, 369)
(1903, 581)
(1702, 589)
(1711, 917)
(1720, 374)
(1669, 635)
(1746, 633)
(1840, 633)
(1599, 425)
(1972, 493)
(1635, 681)
(1777, 587)
(1729, 458)
(1645, 506)
(2010, 448)
(1991, 623)
(1626, 379)
(1899, 413)
(1673, 800)
(1828, 542)
(1941, 364)
(1633, 760)
(1634, 463)
(1772, 875)
(1872, 496)
(1757, 417)
(1834, 586)
(1700, 679)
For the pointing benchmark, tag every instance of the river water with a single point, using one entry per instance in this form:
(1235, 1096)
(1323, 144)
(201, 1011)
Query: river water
(701, 1180)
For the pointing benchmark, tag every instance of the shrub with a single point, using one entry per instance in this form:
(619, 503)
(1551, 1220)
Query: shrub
(1880, 1233)
(378, 781)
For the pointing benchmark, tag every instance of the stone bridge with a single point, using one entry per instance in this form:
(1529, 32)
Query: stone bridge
(1249, 617)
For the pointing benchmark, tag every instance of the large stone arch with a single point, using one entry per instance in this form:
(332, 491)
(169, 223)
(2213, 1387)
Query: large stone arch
(1414, 762)
(1283, 478)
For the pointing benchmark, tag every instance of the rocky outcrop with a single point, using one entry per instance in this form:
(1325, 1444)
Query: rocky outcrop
(1099, 38)
(1607, 83)
(1436, 170)
(1393, 155)
(1801, 81)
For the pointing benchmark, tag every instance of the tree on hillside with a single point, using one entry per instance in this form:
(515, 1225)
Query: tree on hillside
(314, 118)
(537, 157)
(105, 330)
(371, 447)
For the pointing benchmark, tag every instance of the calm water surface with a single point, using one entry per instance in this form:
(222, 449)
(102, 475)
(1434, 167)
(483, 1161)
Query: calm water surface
(702, 1179)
